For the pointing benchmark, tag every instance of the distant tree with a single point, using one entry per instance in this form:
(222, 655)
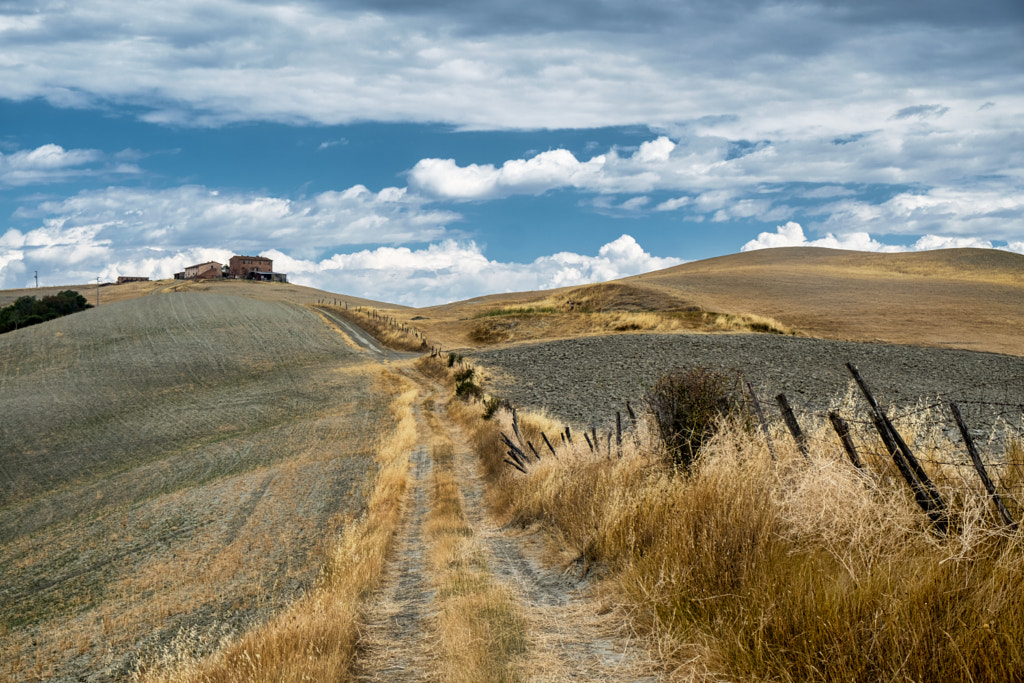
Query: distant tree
(27, 310)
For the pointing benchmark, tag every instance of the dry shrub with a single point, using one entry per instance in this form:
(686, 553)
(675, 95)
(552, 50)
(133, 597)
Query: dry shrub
(689, 406)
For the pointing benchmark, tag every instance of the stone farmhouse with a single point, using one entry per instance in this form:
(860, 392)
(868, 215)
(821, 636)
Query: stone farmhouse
(238, 267)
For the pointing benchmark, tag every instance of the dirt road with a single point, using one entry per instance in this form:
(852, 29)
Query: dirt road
(463, 594)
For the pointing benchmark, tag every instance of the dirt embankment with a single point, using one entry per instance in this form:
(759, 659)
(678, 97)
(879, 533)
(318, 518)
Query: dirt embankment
(589, 379)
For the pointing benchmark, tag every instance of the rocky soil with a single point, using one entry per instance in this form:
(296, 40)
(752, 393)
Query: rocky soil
(588, 379)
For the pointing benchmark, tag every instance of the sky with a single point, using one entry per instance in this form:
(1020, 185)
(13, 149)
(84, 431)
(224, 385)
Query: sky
(425, 151)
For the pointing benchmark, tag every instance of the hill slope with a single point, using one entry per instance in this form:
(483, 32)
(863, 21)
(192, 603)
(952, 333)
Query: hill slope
(170, 462)
(955, 298)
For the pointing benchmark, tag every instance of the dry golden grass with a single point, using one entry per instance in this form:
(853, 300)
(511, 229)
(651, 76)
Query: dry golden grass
(480, 631)
(953, 298)
(797, 571)
(315, 639)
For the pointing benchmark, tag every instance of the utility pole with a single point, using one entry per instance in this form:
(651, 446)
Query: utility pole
(37, 279)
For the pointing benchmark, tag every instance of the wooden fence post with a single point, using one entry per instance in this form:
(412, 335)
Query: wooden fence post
(979, 466)
(762, 422)
(548, 443)
(843, 430)
(925, 493)
(636, 427)
(794, 426)
(618, 432)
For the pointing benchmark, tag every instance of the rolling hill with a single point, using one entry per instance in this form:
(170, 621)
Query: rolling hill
(170, 462)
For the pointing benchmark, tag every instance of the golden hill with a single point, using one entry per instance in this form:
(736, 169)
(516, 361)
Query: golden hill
(954, 298)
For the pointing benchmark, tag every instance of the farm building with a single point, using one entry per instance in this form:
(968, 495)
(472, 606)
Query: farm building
(254, 268)
(201, 271)
(241, 266)
(124, 279)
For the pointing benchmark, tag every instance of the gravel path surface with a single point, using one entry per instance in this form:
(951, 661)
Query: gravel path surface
(588, 379)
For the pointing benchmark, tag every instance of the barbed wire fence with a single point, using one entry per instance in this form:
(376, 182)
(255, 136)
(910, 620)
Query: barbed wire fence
(950, 453)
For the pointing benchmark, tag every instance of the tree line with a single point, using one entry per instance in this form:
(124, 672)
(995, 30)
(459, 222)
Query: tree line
(27, 310)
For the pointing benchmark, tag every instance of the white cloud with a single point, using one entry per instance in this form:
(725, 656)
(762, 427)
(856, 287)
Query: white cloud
(549, 65)
(546, 171)
(993, 211)
(450, 271)
(792, 235)
(673, 204)
(52, 163)
(179, 217)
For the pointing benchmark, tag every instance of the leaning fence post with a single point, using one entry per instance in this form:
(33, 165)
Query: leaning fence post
(618, 432)
(843, 430)
(587, 437)
(979, 466)
(794, 426)
(636, 428)
(925, 493)
(762, 421)
(548, 443)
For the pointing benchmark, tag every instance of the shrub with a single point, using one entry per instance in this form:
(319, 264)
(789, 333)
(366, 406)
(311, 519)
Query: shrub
(465, 387)
(491, 405)
(689, 406)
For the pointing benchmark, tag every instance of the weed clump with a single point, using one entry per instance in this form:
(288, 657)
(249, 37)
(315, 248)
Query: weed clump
(689, 406)
(465, 386)
(491, 405)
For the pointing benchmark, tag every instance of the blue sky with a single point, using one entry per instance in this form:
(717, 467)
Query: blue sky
(422, 152)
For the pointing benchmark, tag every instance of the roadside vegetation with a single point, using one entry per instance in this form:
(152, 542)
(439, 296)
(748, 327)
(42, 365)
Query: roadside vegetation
(737, 568)
(384, 327)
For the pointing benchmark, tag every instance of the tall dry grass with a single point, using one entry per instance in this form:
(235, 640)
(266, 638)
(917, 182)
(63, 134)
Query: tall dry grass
(315, 639)
(798, 571)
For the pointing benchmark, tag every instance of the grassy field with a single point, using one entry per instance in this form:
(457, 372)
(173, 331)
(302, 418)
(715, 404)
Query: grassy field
(195, 473)
(954, 298)
(173, 466)
(749, 570)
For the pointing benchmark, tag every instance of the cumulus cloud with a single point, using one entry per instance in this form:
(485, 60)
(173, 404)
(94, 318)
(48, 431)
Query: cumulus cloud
(178, 217)
(792, 235)
(450, 271)
(993, 210)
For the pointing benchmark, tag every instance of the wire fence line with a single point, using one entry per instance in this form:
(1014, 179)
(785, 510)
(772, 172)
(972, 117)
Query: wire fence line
(948, 452)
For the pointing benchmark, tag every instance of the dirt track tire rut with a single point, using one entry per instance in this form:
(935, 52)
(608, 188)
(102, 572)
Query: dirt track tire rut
(570, 641)
(393, 643)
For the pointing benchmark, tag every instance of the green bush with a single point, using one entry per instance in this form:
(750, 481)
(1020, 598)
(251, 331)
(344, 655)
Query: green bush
(689, 406)
(465, 387)
(491, 405)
